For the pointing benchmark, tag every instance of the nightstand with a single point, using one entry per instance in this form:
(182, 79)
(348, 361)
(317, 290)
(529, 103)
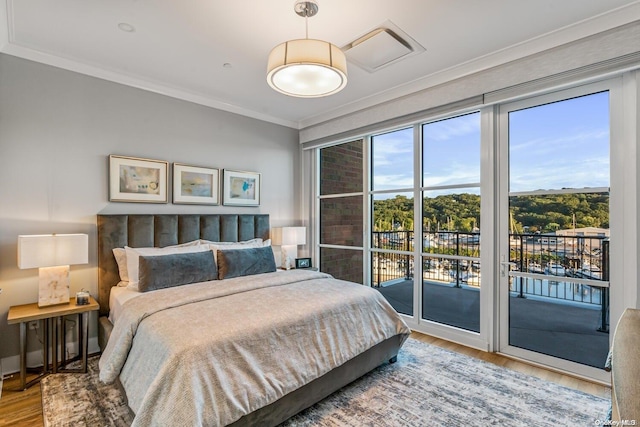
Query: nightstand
(51, 317)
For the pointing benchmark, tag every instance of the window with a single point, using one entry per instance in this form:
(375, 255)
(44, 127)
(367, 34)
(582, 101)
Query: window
(545, 193)
(392, 239)
(451, 274)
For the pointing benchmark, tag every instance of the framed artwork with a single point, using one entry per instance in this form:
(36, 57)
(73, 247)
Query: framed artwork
(195, 185)
(240, 188)
(137, 180)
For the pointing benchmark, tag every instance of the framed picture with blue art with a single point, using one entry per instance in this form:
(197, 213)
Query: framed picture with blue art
(132, 179)
(240, 188)
(195, 185)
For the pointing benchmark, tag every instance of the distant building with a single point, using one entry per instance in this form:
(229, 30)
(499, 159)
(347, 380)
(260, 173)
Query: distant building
(587, 239)
(584, 232)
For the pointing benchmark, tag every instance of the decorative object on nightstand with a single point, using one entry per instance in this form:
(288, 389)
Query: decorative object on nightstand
(52, 254)
(288, 238)
(303, 262)
(82, 297)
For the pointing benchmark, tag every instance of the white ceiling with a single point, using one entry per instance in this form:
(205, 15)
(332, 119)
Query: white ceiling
(179, 48)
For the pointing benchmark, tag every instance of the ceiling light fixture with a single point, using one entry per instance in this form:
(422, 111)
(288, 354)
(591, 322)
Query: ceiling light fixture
(307, 68)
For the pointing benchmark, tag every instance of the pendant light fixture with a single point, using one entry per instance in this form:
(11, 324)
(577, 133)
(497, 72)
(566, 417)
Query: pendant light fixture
(307, 68)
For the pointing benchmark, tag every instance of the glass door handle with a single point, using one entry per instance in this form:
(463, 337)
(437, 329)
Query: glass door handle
(504, 267)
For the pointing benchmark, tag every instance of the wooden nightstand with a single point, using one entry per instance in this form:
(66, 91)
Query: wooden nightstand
(51, 317)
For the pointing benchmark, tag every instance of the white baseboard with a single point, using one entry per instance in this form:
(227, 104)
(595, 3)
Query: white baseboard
(11, 364)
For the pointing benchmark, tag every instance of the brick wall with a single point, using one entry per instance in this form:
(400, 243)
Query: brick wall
(341, 168)
(341, 171)
(345, 264)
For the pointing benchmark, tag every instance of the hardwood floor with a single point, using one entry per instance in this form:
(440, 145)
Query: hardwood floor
(20, 408)
(24, 408)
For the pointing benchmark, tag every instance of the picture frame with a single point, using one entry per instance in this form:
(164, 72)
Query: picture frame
(240, 188)
(195, 185)
(133, 179)
(303, 263)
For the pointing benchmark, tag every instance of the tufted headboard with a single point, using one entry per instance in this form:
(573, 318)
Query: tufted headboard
(118, 231)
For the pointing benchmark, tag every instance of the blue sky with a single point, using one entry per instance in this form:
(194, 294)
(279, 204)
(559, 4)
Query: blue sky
(554, 146)
(561, 145)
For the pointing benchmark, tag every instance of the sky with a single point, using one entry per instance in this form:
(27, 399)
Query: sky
(553, 146)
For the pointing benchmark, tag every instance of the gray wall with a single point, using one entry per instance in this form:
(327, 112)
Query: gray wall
(57, 129)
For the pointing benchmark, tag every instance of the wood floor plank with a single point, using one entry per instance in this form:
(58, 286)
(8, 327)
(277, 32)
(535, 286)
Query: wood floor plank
(20, 408)
(24, 408)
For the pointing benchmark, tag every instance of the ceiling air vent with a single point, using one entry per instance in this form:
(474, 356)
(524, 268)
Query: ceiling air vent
(380, 47)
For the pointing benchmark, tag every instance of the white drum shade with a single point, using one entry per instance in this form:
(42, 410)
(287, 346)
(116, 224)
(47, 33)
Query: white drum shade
(307, 68)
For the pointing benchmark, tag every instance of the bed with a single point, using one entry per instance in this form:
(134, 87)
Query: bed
(246, 350)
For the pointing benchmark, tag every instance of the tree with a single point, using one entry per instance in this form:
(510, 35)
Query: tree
(461, 212)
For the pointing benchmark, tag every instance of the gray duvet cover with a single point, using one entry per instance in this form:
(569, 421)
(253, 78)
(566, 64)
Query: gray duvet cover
(209, 353)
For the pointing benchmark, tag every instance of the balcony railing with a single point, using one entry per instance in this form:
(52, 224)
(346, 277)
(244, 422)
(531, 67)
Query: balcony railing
(549, 263)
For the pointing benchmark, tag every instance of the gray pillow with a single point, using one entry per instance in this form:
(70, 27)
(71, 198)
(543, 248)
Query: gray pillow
(245, 262)
(165, 271)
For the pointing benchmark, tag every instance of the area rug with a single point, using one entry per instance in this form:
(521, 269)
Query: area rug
(427, 386)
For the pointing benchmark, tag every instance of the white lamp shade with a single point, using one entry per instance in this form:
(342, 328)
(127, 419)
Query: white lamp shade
(49, 250)
(307, 68)
(288, 236)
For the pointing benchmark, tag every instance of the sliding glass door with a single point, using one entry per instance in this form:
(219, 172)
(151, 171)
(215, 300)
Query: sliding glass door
(554, 223)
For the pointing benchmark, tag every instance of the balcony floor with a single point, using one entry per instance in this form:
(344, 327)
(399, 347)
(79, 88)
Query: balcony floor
(562, 330)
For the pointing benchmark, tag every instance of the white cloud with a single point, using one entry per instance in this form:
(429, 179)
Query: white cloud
(592, 139)
(453, 128)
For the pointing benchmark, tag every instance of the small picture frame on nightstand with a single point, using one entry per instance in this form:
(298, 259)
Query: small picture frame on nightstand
(303, 262)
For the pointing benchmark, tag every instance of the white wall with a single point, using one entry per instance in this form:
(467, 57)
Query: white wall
(57, 129)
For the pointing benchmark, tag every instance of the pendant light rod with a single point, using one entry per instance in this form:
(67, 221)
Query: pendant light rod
(306, 9)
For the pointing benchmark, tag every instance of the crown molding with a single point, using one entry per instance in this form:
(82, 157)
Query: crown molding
(10, 47)
(606, 21)
(139, 83)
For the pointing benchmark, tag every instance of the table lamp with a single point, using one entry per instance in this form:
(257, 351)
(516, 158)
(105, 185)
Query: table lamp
(288, 238)
(52, 254)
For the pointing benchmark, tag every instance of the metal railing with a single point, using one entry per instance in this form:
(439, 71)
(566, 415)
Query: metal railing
(389, 266)
(561, 268)
(549, 255)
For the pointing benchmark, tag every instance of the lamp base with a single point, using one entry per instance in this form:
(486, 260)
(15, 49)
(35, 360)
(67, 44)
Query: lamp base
(288, 255)
(54, 286)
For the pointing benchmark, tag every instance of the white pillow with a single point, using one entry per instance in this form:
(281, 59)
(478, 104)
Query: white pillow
(133, 258)
(120, 254)
(253, 243)
(121, 259)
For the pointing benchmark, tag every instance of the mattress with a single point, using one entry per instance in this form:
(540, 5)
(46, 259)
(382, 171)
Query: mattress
(117, 297)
